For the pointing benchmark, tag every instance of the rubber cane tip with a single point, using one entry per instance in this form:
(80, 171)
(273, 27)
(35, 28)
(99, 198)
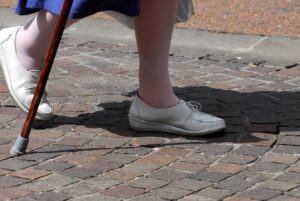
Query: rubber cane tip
(15, 152)
(20, 146)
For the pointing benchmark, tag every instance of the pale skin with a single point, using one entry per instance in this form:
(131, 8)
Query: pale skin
(154, 28)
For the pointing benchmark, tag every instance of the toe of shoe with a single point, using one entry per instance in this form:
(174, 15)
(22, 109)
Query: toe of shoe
(44, 112)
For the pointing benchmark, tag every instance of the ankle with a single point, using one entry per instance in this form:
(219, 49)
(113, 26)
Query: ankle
(160, 101)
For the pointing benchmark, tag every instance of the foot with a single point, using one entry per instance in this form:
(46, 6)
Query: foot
(21, 83)
(183, 118)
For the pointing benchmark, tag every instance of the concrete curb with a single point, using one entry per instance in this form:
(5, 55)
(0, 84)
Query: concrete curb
(269, 47)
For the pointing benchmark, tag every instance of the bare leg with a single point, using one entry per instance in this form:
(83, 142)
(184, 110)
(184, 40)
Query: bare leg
(33, 40)
(154, 28)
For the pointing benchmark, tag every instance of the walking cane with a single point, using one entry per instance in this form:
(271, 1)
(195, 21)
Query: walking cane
(22, 141)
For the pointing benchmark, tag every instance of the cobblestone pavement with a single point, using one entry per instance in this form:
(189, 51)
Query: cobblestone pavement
(88, 152)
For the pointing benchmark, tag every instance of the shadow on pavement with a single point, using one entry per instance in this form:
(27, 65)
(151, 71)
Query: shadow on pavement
(250, 117)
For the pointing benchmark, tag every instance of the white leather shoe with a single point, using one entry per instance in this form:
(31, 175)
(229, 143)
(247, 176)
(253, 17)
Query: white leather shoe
(183, 118)
(21, 83)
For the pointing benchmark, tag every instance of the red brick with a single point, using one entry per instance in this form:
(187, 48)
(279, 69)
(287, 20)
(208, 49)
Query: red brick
(30, 173)
(295, 168)
(124, 191)
(3, 88)
(156, 159)
(123, 174)
(13, 193)
(77, 159)
(4, 156)
(259, 139)
(146, 141)
(173, 152)
(227, 168)
(4, 172)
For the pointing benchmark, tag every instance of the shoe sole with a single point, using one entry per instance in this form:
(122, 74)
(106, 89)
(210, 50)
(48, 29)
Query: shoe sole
(38, 116)
(141, 125)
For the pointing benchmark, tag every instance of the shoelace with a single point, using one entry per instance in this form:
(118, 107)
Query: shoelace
(194, 105)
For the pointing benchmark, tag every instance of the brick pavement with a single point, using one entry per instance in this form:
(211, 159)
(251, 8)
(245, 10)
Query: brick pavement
(87, 152)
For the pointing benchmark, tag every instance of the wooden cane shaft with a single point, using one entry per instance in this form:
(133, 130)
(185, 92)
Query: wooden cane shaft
(56, 38)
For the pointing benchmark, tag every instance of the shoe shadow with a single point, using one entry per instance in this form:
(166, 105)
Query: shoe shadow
(250, 117)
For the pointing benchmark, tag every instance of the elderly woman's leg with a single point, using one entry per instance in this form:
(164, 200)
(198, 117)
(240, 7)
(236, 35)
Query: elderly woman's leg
(157, 108)
(33, 40)
(23, 50)
(154, 29)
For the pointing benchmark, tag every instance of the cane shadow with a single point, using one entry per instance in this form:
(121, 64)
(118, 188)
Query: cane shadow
(246, 114)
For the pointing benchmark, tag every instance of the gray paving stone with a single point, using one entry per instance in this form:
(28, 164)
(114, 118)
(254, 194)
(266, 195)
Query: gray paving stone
(49, 183)
(145, 168)
(235, 184)
(215, 193)
(168, 175)
(102, 166)
(106, 142)
(25, 199)
(213, 149)
(15, 164)
(48, 152)
(190, 184)
(135, 150)
(293, 177)
(285, 198)
(251, 150)
(147, 198)
(96, 197)
(261, 194)
(101, 182)
(55, 166)
(268, 166)
(291, 132)
(51, 196)
(148, 183)
(278, 185)
(78, 190)
(254, 177)
(169, 193)
(280, 158)
(289, 140)
(210, 176)
(120, 158)
(286, 149)
(79, 172)
(124, 191)
(295, 192)
(9, 181)
(238, 159)
(201, 158)
(195, 197)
